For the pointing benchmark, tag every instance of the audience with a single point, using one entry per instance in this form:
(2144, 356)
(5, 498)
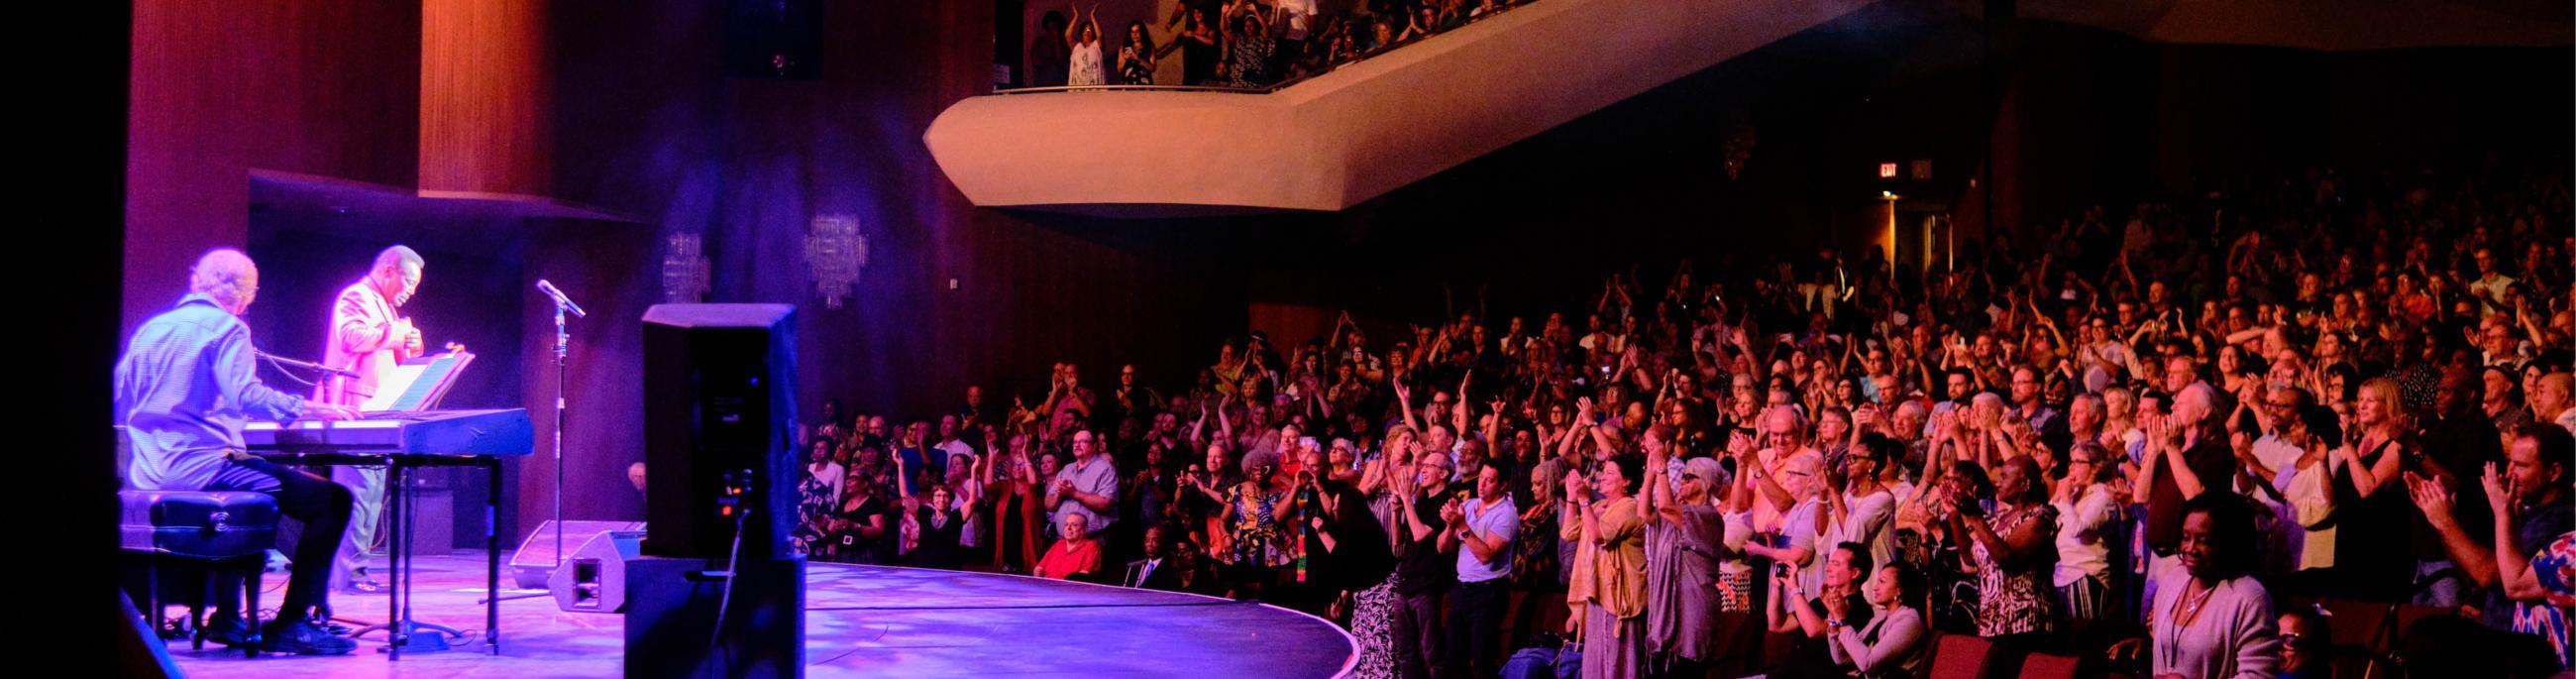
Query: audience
(2354, 397)
(1242, 44)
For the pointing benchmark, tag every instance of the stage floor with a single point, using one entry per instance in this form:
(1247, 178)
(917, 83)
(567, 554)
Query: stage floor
(860, 621)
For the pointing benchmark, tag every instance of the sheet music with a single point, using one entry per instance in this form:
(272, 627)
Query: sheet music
(417, 384)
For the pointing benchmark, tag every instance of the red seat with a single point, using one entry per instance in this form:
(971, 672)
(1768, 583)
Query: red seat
(2358, 622)
(1776, 647)
(1960, 656)
(2045, 666)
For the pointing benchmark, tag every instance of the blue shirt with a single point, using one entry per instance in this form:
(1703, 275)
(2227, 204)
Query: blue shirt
(183, 390)
(1497, 520)
(1098, 477)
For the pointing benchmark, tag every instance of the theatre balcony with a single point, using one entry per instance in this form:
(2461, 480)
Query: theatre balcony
(1334, 139)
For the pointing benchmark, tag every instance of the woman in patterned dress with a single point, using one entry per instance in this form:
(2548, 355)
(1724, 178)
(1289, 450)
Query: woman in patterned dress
(2015, 554)
(1202, 507)
(1536, 572)
(1136, 59)
(816, 491)
(1348, 552)
(1940, 550)
(1248, 47)
(1256, 519)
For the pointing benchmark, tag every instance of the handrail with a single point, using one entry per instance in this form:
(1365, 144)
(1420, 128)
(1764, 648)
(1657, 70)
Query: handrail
(1273, 87)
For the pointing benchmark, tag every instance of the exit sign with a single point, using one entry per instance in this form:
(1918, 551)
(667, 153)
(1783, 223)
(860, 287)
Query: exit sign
(1887, 170)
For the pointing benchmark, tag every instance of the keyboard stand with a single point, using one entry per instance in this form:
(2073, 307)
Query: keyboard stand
(403, 633)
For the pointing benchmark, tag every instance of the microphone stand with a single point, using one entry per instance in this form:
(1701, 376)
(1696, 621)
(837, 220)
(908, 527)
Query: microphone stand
(563, 349)
(307, 365)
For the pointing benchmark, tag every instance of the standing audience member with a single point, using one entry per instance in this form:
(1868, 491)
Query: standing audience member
(1610, 575)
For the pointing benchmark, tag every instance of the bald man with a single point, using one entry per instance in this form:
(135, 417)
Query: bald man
(2551, 402)
(368, 335)
(184, 389)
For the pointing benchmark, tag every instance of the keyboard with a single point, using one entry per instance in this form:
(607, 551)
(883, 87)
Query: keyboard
(490, 433)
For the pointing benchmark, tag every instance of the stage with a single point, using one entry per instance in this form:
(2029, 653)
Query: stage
(860, 621)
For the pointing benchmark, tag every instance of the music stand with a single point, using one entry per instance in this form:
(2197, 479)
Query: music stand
(413, 385)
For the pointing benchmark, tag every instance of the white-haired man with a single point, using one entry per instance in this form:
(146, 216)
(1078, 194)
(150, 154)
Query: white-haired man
(184, 389)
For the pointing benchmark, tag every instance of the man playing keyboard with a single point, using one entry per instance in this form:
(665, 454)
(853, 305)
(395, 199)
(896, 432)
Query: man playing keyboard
(368, 335)
(183, 391)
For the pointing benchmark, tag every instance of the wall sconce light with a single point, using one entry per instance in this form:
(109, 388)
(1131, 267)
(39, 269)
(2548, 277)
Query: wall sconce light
(835, 252)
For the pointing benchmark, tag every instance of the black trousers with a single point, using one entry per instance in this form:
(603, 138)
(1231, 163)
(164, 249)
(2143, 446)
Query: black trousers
(1475, 628)
(1417, 634)
(316, 502)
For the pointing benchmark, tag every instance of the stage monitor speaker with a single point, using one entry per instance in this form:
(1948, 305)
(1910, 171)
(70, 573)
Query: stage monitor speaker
(719, 419)
(671, 616)
(593, 578)
(432, 513)
(535, 560)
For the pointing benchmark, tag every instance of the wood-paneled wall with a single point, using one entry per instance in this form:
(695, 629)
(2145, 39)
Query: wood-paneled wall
(308, 86)
(485, 97)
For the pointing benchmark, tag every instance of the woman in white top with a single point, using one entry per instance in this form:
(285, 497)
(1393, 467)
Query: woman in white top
(2305, 488)
(2210, 619)
(1864, 511)
(1084, 34)
(1895, 643)
(2089, 527)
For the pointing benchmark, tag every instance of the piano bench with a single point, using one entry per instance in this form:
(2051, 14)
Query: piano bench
(216, 532)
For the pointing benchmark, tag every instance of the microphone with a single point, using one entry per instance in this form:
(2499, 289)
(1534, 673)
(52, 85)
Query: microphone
(308, 365)
(560, 299)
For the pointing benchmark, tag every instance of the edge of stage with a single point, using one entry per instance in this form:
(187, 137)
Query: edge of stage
(872, 621)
